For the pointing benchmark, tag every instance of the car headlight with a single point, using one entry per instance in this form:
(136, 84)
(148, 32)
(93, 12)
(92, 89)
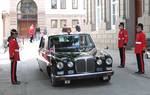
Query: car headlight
(99, 62)
(109, 61)
(60, 65)
(70, 64)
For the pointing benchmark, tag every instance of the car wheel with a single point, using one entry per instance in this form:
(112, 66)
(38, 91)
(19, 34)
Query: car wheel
(53, 81)
(48, 71)
(41, 70)
(39, 66)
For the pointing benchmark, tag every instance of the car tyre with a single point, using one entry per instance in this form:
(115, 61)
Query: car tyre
(41, 70)
(49, 71)
(53, 81)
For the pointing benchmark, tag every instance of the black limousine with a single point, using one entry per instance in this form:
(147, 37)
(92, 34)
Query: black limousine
(67, 57)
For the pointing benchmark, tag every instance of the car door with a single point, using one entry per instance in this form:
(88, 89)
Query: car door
(43, 54)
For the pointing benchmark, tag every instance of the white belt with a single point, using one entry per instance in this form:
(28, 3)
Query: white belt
(121, 39)
(16, 50)
(138, 43)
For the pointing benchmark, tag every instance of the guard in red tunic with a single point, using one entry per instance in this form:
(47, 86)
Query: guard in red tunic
(122, 42)
(14, 55)
(31, 32)
(140, 47)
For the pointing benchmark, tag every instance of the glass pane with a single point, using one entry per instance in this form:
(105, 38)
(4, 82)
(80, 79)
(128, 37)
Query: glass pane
(74, 23)
(63, 4)
(62, 23)
(28, 7)
(74, 4)
(54, 4)
(54, 23)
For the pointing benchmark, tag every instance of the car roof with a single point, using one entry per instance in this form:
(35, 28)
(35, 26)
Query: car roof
(78, 33)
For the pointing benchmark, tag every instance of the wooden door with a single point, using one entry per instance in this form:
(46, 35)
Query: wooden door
(23, 28)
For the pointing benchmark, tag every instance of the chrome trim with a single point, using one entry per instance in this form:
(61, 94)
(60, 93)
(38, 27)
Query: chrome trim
(85, 74)
(86, 65)
(85, 58)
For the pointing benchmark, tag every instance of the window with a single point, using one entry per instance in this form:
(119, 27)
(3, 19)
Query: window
(84, 4)
(74, 22)
(98, 3)
(143, 6)
(62, 22)
(63, 4)
(53, 23)
(114, 13)
(54, 4)
(114, 19)
(27, 9)
(114, 8)
(74, 4)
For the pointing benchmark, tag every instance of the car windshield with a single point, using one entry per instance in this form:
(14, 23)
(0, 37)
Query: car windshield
(71, 43)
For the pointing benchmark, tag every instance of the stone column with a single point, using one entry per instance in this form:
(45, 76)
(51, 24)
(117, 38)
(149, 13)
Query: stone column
(88, 12)
(108, 14)
(93, 15)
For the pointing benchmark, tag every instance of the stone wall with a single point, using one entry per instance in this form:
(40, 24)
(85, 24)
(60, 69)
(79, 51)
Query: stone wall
(68, 18)
(104, 39)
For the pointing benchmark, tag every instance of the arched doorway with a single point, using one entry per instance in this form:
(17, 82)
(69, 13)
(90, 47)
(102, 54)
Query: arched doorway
(26, 16)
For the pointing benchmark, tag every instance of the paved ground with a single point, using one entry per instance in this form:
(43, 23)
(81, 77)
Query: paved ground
(34, 82)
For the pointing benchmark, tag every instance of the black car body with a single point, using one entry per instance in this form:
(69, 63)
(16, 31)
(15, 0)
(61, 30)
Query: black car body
(69, 57)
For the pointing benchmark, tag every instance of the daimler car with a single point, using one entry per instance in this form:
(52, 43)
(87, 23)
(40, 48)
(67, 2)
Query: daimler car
(67, 57)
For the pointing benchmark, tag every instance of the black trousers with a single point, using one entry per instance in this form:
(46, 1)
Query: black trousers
(140, 62)
(31, 39)
(13, 71)
(122, 56)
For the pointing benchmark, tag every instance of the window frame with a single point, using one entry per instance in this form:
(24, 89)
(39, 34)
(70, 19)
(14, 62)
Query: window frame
(61, 24)
(74, 24)
(62, 1)
(74, 4)
(52, 4)
(52, 23)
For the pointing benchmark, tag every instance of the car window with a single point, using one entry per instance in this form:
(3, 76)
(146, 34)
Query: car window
(64, 41)
(85, 41)
(42, 42)
(71, 43)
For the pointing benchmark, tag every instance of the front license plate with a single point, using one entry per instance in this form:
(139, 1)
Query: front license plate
(105, 77)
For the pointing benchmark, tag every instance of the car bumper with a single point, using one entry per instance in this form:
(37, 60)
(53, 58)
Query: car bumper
(84, 76)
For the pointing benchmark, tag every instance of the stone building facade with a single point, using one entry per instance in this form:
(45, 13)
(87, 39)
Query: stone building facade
(100, 18)
(67, 12)
(145, 16)
(49, 15)
(104, 17)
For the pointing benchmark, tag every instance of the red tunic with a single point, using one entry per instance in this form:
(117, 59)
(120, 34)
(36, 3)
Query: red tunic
(140, 42)
(31, 31)
(14, 49)
(122, 38)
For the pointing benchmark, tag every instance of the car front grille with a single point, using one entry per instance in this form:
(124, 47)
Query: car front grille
(85, 65)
